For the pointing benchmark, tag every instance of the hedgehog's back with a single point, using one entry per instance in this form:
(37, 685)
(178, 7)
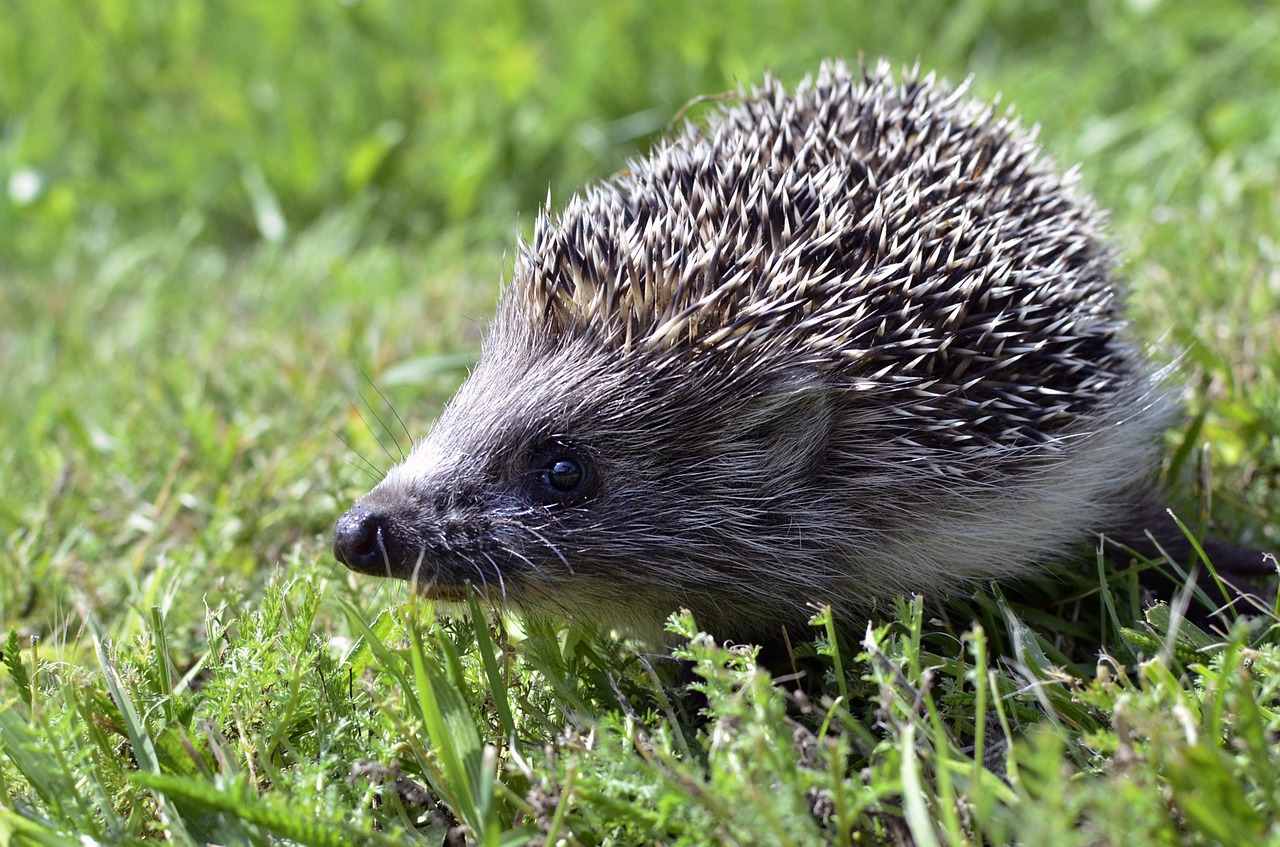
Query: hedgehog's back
(896, 234)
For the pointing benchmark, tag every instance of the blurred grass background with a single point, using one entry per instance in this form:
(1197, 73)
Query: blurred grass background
(217, 217)
(128, 115)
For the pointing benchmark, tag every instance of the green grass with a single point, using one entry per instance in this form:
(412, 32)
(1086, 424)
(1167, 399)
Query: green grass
(217, 219)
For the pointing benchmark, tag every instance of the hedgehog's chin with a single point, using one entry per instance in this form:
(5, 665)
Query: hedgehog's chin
(441, 593)
(456, 593)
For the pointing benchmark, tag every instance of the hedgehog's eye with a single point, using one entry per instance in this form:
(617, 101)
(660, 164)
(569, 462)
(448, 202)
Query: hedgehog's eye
(565, 475)
(562, 475)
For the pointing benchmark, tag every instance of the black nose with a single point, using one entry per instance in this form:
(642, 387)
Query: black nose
(360, 541)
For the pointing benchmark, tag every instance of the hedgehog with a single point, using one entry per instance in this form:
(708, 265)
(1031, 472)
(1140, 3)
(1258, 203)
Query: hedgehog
(828, 347)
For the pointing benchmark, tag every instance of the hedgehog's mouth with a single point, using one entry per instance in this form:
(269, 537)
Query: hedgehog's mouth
(376, 542)
(441, 593)
(436, 580)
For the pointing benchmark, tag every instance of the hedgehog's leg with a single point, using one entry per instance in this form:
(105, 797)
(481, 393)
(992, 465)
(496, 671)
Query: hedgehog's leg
(1156, 533)
(1241, 572)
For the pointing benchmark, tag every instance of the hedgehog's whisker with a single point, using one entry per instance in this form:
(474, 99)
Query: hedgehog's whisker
(394, 438)
(368, 426)
(381, 426)
(502, 583)
(550, 546)
(371, 469)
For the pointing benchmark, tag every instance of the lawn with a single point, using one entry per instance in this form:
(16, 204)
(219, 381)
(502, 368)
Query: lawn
(239, 243)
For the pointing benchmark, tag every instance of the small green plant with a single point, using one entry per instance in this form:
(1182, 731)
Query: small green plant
(432, 725)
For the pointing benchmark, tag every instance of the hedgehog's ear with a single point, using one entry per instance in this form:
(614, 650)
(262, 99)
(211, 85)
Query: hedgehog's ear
(790, 425)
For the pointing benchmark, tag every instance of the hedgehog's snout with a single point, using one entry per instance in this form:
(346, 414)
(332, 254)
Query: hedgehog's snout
(411, 527)
(362, 540)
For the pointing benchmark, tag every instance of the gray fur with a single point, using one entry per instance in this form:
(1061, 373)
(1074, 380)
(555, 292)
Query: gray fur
(834, 346)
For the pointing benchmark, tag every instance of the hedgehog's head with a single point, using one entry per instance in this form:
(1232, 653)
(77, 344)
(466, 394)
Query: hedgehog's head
(575, 480)
(649, 417)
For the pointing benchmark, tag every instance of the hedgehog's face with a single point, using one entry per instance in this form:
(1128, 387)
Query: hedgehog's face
(588, 487)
